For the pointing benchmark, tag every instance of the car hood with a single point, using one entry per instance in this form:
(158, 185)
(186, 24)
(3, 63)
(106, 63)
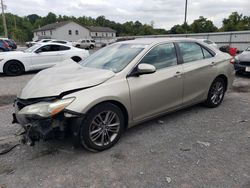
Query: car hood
(63, 78)
(244, 56)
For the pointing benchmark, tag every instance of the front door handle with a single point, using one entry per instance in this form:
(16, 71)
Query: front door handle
(178, 74)
(213, 64)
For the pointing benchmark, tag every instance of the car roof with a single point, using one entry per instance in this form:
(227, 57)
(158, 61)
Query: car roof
(148, 41)
(54, 43)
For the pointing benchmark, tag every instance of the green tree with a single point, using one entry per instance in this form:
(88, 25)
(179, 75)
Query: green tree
(202, 25)
(236, 22)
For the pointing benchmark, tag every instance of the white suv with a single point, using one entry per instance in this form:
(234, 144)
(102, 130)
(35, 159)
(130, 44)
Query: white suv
(85, 43)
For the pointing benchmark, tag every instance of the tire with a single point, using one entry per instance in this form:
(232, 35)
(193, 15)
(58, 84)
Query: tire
(78, 46)
(1, 50)
(91, 47)
(96, 132)
(13, 68)
(216, 93)
(76, 59)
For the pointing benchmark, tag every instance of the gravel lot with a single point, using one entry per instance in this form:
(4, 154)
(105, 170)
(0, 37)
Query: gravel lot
(195, 147)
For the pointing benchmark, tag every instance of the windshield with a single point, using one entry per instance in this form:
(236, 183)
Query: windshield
(32, 48)
(115, 57)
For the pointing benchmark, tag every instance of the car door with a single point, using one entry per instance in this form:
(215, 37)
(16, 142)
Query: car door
(152, 94)
(46, 56)
(199, 70)
(83, 44)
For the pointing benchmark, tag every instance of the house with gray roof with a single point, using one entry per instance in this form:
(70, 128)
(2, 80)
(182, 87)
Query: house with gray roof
(72, 31)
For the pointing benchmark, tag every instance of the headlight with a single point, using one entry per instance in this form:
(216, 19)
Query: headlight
(46, 109)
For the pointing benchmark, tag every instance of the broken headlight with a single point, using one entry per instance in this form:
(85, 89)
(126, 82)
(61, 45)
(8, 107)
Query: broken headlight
(46, 109)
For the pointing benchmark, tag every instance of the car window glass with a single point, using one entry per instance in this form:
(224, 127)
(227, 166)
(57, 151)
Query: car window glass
(49, 48)
(161, 56)
(87, 41)
(44, 48)
(64, 48)
(190, 51)
(114, 57)
(59, 41)
(206, 53)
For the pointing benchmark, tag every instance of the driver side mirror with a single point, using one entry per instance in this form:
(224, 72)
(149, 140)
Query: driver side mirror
(144, 68)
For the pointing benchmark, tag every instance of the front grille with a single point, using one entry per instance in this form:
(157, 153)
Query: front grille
(245, 63)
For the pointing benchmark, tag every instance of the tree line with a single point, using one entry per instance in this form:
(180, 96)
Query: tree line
(21, 28)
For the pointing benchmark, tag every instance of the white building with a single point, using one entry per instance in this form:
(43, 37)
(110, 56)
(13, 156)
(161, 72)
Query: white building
(102, 34)
(72, 31)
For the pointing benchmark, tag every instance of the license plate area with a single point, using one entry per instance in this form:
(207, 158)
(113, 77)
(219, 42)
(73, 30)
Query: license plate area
(247, 69)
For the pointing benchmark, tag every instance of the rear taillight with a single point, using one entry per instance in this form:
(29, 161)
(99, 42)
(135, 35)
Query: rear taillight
(232, 61)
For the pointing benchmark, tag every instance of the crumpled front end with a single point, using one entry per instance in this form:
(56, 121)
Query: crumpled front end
(50, 120)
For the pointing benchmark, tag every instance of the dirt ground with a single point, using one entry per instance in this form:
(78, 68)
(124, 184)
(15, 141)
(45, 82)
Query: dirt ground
(194, 147)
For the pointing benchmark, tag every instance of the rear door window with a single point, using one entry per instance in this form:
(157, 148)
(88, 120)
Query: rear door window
(190, 51)
(63, 48)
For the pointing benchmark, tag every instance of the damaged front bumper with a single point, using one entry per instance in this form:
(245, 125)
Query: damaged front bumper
(38, 128)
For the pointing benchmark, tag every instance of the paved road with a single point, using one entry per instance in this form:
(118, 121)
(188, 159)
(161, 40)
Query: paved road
(195, 147)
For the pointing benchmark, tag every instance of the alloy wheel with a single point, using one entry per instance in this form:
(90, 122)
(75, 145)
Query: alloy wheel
(104, 128)
(217, 92)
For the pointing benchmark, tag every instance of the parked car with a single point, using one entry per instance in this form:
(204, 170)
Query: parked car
(39, 56)
(4, 46)
(61, 42)
(11, 43)
(31, 43)
(119, 86)
(242, 62)
(209, 42)
(85, 43)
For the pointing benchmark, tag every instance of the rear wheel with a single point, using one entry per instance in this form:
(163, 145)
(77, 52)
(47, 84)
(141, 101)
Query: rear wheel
(216, 93)
(91, 47)
(13, 68)
(102, 127)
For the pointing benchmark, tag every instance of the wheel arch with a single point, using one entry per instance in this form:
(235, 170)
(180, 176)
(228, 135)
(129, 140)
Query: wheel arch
(224, 77)
(15, 60)
(119, 105)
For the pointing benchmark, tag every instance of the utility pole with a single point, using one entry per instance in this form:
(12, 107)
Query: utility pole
(185, 19)
(4, 20)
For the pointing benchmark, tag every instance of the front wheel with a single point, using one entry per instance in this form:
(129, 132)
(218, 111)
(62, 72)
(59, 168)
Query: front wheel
(102, 128)
(216, 93)
(13, 68)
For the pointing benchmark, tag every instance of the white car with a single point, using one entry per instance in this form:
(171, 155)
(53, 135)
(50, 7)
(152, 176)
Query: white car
(209, 42)
(39, 56)
(85, 43)
(31, 43)
(62, 42)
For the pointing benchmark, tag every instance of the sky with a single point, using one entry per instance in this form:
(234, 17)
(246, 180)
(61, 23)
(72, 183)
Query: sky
(164, 13)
